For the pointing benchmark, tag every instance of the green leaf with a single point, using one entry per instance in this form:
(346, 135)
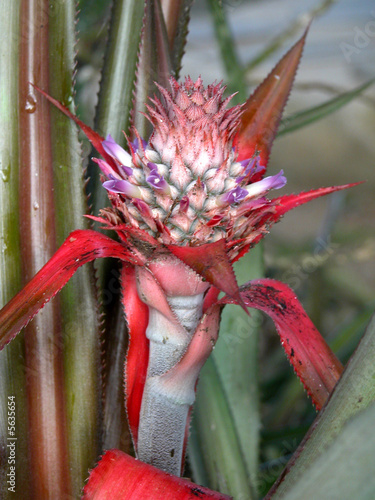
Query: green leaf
(12, 375)
(230, 59)
(117, 84)
(196, 462)
(349, 334)
(116, 433)
(315, 113)
(236, 359)
(217, 438)
(344, 470)
(118, 78)
(78, 298)
(354, 392)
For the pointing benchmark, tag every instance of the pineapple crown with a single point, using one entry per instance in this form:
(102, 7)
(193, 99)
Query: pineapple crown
(185, 186)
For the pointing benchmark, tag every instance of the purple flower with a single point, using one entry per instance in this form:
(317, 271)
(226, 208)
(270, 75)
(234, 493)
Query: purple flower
(128, 171)
(118, 153)
(156, 180)
(261, 187)
(248, 164)
(152, 166)
(234, 195)
(252, 166)
(122, 187)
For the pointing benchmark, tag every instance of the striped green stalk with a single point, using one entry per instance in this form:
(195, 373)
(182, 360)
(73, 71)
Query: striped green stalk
(12, 363)
(78, 301)
(50, 475)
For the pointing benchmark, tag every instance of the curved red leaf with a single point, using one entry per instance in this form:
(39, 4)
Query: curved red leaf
(121, 477)
(283, 204)
(212, 263)
(80, 247)
(312, 359)
(289, 201)
(263, 109)
(136, 313)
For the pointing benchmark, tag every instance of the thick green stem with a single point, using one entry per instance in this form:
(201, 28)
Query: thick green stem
(12, 363)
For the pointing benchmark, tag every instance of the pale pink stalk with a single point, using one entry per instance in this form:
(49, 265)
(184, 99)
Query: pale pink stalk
(174, 294)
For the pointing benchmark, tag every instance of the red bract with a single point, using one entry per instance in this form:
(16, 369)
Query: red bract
(306, 349)
(119, 476)
(186, 205)
(78, 249)
(264, 107)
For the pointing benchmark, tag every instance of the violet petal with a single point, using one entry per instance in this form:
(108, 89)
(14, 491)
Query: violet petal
(252, 166)
(128, 171)
(122, 187)
(135, 144)
(272, 182)
(234, 195)
(248, 164)
(152, 166)
(113, 149)
(157, 181)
